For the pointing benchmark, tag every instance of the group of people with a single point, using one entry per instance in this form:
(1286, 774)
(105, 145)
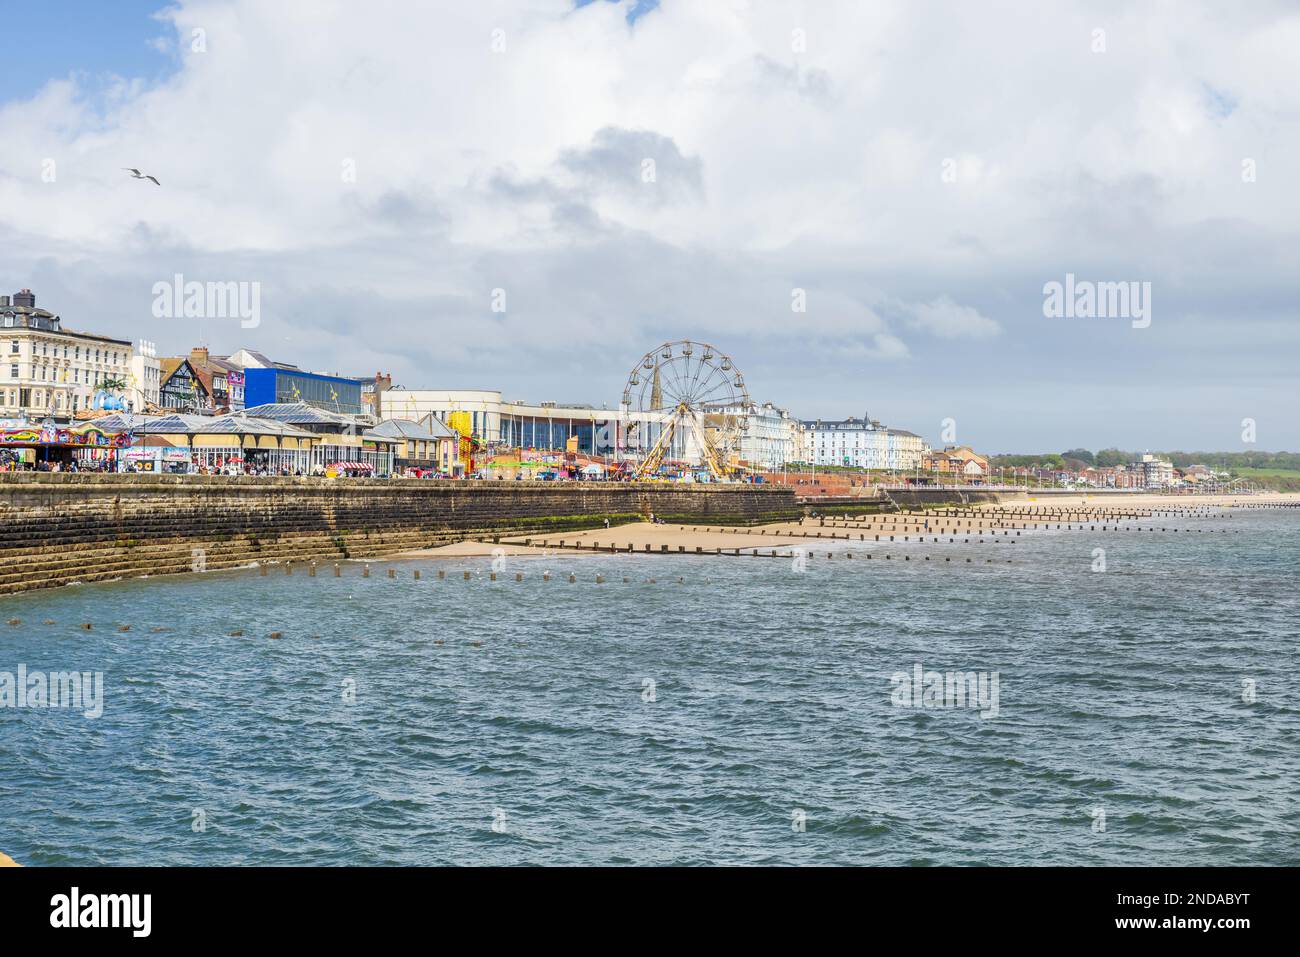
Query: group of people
(13, 464)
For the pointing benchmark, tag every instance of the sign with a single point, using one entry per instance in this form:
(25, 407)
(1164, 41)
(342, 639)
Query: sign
(88, 437)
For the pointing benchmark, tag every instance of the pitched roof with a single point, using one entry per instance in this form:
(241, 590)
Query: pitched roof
(180, 424)
(406, 429)
(169, 365)
(299, 413)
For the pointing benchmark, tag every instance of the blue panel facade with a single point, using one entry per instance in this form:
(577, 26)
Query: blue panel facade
(335, 394)
(259, 387)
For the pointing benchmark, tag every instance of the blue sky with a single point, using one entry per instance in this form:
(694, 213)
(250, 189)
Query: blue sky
(795, 147)
(51, 39)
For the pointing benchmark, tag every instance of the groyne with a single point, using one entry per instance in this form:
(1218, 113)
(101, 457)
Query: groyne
(57, 528)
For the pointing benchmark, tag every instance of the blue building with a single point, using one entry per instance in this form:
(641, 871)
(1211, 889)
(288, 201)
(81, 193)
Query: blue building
(333, 393)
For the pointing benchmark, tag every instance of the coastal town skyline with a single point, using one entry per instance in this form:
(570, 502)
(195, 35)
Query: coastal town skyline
(894, 274)
(647, 434)
(137, 377)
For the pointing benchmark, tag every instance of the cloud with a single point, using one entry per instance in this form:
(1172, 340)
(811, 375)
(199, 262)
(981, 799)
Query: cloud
(819, 167)
(944, 318)
(638, 163)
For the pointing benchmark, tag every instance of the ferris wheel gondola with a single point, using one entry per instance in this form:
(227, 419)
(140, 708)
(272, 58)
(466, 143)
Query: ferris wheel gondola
(692, 407)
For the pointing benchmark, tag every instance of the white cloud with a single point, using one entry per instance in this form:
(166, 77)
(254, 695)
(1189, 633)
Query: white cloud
(820, 169)
(944, 318)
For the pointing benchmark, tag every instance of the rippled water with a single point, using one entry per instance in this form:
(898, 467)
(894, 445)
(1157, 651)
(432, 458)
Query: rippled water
(523, 705)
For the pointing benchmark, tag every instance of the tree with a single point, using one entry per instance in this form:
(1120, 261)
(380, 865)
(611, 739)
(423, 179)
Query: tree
(1107, 458)
(1080, 455)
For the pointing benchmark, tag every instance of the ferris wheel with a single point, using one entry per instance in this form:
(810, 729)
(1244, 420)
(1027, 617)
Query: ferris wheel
(685, 401)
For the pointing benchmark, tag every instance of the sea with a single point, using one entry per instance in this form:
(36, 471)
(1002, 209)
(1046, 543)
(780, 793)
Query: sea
(1064, 697)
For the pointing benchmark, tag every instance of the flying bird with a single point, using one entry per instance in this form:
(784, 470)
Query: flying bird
(136, 174)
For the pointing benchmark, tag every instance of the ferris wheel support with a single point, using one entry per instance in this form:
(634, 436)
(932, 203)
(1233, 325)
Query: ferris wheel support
(654, 458)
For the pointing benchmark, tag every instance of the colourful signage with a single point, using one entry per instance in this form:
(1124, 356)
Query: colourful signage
(88, 437)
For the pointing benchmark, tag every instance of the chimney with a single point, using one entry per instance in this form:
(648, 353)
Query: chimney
(199, 356)
(24, 298)
(4, 300)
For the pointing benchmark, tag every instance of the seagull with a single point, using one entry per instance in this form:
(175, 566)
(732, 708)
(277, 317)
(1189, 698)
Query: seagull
(136, 174)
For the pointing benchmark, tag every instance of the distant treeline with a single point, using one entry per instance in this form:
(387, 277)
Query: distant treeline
(1225, 461)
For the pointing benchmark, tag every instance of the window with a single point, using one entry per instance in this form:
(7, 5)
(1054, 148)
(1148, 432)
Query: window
(13, 347)
(13, 371)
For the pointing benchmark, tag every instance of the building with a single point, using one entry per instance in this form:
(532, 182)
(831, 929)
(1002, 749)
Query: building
(372, 393)
(47, 371)
(1200, 475)
(157, 442)
(145, 381)
(768, 441)
(182, 389)
(223, 379)
(956, 460)
(496, 422)
(263, 386)
(800, 439)
(215, 375)
(264, 381)
(1156, 472)
(421, 445)
(341, 439)
(865, 444)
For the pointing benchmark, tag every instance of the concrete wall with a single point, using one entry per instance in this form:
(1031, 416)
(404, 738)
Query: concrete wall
(911, 498)
(58, 528)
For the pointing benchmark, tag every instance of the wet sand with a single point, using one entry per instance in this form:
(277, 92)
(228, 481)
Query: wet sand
(471, 549)
(637, 537)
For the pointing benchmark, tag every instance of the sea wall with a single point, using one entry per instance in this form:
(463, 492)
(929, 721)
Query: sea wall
(57, 528)
(905, 498)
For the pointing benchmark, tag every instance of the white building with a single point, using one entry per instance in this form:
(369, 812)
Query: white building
(494, 421)
(599, 430)
(800, 440)
(769, 441)
(1156, 472)
(49, 371)
(145, 378)
(866, 444)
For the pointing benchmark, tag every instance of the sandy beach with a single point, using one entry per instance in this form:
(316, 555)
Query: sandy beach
(952, 525)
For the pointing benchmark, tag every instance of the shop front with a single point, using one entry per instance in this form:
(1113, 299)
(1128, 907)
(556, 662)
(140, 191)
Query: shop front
(44, 448)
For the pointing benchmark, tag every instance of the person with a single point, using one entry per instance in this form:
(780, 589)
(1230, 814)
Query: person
(607, 523)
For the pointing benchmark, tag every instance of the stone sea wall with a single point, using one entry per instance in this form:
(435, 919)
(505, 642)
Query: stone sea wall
(61, 528)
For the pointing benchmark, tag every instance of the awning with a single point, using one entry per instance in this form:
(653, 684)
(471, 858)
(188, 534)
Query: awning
(351, 465)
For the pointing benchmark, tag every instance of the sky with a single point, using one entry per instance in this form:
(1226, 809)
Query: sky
(861, 203)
